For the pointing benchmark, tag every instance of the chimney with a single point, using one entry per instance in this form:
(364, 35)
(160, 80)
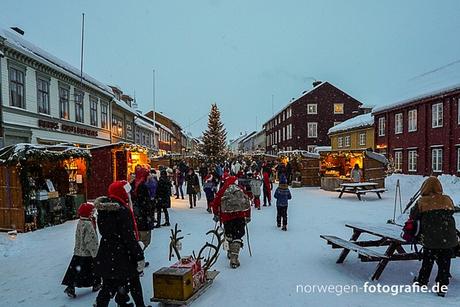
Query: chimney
(18, 30)
(316, 83)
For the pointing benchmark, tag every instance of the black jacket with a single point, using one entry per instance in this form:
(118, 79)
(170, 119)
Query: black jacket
(119, 250)
(192, 182)
(143, 209)
(164, 193)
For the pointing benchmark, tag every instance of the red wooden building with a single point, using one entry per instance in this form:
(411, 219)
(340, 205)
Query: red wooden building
(421, 133)
(304, 123)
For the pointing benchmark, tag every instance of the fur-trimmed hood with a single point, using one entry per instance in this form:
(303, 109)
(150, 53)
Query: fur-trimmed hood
(104, 203)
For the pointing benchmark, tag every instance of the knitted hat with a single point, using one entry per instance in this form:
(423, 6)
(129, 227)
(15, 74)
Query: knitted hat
(283, 179)
(119, 190)
(85, 210)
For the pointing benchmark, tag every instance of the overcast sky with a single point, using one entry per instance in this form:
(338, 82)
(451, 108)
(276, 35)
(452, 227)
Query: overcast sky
(239, 53)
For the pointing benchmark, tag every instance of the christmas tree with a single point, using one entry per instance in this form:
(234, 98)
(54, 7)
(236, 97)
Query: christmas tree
(214, 138)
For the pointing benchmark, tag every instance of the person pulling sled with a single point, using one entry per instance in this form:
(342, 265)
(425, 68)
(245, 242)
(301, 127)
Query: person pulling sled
(232, 208)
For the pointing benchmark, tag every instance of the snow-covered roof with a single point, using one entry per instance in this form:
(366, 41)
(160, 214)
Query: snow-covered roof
(319, 149)
(144, 124)
(124, 106)
(436, 82)
(164, 127)
(294, 100)
(376, 156)
(17, 42)
(360, 121)
(304, 153)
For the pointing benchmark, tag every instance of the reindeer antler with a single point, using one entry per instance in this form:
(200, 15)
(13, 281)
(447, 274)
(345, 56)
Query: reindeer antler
(211, 259)
(174, 242)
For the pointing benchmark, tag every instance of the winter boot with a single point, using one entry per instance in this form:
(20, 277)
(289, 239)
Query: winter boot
(234, 249)
(70, 291)
(284, 228)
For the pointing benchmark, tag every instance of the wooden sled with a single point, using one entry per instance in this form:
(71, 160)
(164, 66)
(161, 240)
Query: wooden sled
(210, 276)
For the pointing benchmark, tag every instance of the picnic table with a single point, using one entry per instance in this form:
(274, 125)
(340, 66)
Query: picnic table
(360, 188)
(387, 235)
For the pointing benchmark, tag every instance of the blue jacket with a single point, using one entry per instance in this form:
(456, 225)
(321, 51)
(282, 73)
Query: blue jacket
(282, 195)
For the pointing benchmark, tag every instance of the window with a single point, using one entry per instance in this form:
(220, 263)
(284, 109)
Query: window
(412, 120)
(347, 141)
(43, 96)
(312, 130)
(64, 103)
(312, 108)
(93, 111)
(340, 141)
(79, 106)
(362, 139)
(17, 88)
(412, 155)
(398, 123)
(436, 115)
(311, 148)
(398, 161)
(338, 108)
(382, 126)
(436, 159)
(104, 115)
(117, 126)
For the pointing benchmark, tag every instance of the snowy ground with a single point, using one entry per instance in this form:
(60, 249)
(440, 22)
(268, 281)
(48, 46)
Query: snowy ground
(32, 266)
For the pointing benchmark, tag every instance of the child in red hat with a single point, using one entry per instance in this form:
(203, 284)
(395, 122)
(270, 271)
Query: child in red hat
(80, 272)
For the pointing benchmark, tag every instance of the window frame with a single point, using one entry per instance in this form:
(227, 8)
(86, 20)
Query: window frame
(93, 102)
(412, 120)
(437, 122)
(382, 126)
(340, 141)
(64, 102)
(43, 94)
(15, 84)
(314, 124)
(398, 163)
(399, 123)
(343, 108)
(79, 106)
(104, 123)
(439, 160)
(315, 105)
(412, 160)
(347, 141)
(362, 139)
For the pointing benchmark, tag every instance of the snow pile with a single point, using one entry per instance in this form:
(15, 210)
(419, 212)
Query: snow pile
(360, 121)
(439, 81)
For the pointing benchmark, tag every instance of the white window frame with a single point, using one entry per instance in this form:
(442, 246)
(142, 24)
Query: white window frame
(311, 148)
(362, 139)
(436, 160)
(313, 105)
(340, 142)
(399, 128)
(347, 141)
(412, 120)
(398, 160)
(343, 108)
(382, 123)
(314, 133)
(437, 114)
(412, 160)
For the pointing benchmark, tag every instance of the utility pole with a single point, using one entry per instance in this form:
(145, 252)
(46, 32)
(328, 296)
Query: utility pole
(82, 44)
(273, 108)
(154, 106)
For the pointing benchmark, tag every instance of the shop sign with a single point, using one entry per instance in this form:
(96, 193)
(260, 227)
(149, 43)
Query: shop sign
(66, 128)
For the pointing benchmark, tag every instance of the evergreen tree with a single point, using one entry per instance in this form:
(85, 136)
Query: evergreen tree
(214, 138)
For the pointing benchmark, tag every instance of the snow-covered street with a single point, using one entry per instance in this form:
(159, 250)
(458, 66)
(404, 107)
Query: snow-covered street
(32, 265)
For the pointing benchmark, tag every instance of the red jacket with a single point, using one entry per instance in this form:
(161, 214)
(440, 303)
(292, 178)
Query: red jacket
(267, 182)
(225, 217)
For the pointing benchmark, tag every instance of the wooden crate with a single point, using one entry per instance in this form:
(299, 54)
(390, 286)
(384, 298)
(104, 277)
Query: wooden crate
(309, 170)
(173, 283)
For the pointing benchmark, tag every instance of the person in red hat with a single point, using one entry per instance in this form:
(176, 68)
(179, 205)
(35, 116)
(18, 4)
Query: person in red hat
(120, 258)
(80, 273)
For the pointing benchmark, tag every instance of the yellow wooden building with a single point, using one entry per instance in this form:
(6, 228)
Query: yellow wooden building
(354, 134)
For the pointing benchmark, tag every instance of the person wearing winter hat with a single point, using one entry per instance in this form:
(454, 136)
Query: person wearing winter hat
(210, 189)
(256, 183)
(120, 257)
(163, 198)
(80, 272)
(282, 196)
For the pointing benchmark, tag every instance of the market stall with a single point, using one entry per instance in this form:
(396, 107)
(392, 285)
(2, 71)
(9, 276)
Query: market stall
(115, 162)
(335, 167)
(41, 185)
(305, 167)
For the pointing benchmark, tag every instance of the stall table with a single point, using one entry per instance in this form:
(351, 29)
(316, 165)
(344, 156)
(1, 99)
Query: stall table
(359, 188)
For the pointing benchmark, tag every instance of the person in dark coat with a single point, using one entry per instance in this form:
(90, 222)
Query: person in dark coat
(282, 196)
(143, 209)
(193, 186)
(163, 198)
(210, 189)
(434, 211)
(80, 272)
(179, 182)
(120, 257)
(203, 172)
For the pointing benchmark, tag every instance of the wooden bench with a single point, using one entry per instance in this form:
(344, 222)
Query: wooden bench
(376, 191)
(363, 252)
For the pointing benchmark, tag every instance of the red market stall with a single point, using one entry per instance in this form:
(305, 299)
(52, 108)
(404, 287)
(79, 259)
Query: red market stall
(114, 162)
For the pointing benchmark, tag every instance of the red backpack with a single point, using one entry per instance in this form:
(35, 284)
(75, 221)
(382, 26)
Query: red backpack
(411, 230)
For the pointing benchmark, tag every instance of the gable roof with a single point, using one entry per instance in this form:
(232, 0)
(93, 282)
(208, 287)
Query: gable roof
(360, 121)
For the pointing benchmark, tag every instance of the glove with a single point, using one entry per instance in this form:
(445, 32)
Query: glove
(247, 219)
(215, 218)
(141, 266)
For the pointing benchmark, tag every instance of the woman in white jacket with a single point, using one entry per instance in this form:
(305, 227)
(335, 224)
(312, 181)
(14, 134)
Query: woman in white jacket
(80, 273)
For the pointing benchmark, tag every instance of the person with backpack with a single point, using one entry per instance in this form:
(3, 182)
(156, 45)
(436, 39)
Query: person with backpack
(80, 273)
(232, 208)
(256, 184)
(193, 186)
(437, 232)
(163, 198)
(282, 196)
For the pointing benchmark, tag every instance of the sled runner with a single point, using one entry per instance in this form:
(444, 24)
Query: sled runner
(210, 276)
